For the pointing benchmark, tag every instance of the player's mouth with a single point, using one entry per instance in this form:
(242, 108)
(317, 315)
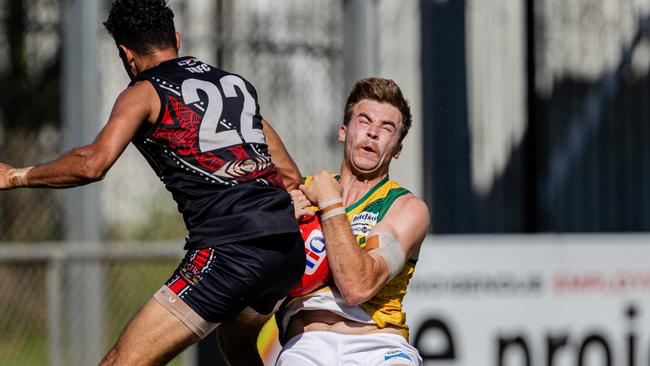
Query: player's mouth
(368, 149)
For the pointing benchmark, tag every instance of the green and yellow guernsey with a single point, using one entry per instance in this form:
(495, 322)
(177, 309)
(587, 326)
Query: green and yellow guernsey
(385, 308)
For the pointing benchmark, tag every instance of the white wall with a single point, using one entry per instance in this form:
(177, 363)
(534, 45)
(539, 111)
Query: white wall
(399, 59)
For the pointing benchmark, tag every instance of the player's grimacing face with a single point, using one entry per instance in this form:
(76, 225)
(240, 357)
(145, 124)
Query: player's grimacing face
(372, 136)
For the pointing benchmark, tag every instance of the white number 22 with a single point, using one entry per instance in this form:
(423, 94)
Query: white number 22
(209, 138)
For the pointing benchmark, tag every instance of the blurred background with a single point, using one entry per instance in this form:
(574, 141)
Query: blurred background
(529, 145)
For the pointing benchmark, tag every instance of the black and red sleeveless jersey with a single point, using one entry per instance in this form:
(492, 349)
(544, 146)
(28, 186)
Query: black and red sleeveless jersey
(208, 148)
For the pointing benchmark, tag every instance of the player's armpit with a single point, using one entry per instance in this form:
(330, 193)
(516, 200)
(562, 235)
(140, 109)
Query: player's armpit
(281, 159)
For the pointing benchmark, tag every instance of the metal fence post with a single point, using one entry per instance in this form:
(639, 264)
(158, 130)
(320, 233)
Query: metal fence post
(54, 322)
(84, 282)
(360, 40)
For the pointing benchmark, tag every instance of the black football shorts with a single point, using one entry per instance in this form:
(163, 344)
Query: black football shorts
(218, 282)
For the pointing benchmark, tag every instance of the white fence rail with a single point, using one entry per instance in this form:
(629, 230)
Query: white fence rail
(37, 304)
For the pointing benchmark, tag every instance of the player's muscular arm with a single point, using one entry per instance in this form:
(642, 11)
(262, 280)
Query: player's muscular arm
(86, 164)
(353, 269)
(360, 274)
(287, 168)
(283, 162)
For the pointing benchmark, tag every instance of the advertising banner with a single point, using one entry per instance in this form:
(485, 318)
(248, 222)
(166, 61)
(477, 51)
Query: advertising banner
(532, 301)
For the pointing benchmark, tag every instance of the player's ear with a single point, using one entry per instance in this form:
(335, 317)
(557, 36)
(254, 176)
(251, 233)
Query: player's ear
(178, 40)
(342, 131)
(128, 60)
(126, 54)
(397, 151)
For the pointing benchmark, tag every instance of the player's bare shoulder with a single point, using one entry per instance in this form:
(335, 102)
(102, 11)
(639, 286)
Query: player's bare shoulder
(140, 100)
(412, 207)
(408, 217)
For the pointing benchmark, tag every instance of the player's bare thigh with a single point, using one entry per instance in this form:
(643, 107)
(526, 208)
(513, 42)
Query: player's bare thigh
(153, 337)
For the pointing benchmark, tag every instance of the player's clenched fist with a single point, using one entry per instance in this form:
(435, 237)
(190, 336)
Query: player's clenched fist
(301, 204)
(12, 178)
(322, 188)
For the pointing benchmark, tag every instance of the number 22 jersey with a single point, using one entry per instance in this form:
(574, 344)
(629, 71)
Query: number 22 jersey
(208, 148)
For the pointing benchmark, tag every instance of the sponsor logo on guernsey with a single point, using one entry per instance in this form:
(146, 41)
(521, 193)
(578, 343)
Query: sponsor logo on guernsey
(187, 62)
(193, 66)
(396, 354)
(363, 223)
(315, 251)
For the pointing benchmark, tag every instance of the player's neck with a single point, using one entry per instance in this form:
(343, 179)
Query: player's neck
(156, 57)
(355, 186)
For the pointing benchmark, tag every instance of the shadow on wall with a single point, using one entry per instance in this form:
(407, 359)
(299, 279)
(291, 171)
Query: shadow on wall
(583, 166)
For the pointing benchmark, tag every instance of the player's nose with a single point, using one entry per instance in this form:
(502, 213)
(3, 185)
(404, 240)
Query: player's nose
(372, 132)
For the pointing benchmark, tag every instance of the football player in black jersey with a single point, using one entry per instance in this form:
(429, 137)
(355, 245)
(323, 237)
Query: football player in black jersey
(200, 129)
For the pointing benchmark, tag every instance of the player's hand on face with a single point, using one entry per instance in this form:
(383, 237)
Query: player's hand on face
(301, 204)
(322, 188)
(5, 171)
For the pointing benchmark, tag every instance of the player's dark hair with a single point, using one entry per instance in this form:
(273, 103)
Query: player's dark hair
(383, 91)
(142, 25)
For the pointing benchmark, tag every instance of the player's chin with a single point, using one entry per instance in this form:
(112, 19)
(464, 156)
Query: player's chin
(367, 169)
(367, 163)
(375, 162)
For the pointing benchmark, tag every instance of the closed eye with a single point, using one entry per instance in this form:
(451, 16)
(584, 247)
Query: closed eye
(388, 126)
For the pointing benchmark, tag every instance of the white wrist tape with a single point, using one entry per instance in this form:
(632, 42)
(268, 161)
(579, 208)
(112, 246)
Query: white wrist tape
(391, 250)
(18, 178)
(334, 212)
(328, 203)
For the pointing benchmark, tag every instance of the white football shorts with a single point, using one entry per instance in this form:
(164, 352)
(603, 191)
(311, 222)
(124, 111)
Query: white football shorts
(334, 349)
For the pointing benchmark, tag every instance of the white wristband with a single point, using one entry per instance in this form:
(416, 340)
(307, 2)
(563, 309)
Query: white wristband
(18, 178)
(328, 203)
(332, 213)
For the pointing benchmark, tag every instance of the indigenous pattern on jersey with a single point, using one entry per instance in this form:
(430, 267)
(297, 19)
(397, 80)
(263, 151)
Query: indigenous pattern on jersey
(385, 308)
(208, 147)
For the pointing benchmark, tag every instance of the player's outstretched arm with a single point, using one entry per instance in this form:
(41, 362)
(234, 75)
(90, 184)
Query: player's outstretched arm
(287, 168)
(360, 274)
(86, 164)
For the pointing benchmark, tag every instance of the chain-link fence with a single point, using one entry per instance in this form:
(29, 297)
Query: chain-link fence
(30, 74)
(64, 306)
(536, 119)
(290, 52)
(37, 324)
